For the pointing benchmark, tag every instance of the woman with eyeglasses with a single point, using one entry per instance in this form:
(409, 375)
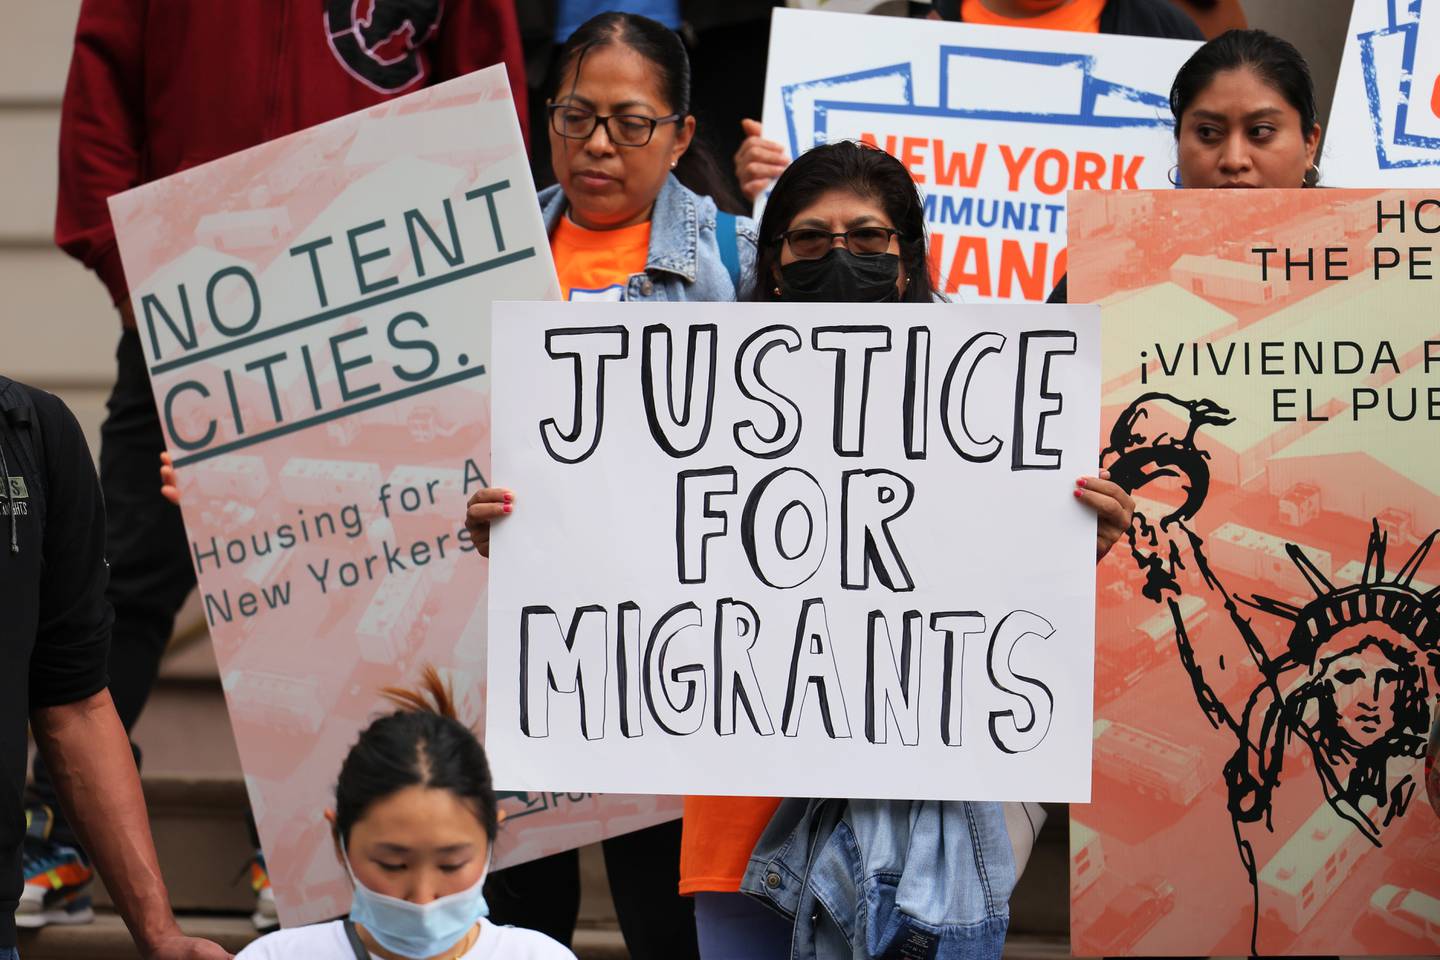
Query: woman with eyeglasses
(633, 216)
(1245, 117)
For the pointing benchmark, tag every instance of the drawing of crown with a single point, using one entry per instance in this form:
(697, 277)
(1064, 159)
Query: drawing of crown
(1395, 602)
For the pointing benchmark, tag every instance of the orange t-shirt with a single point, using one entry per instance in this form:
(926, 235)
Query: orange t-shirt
(719, 834)
(598, 264)
(1078, 16)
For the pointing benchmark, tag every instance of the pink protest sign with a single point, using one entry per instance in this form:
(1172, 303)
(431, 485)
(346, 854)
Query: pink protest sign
(315, 313)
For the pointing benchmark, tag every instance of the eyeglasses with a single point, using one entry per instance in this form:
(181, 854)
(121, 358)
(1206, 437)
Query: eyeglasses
(628, 130)
(808, 243)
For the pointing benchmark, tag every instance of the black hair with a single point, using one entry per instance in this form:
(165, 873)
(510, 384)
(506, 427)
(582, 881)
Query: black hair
(422, 744)
(1274, 60)
(663, 48)
(868, 172)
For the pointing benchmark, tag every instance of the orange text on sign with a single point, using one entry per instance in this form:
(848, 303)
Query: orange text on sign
(1050, 171)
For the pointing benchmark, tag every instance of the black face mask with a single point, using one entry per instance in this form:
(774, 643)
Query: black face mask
(842, 277)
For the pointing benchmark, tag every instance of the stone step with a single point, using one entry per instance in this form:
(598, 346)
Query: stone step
(200, 836)
(107, 939)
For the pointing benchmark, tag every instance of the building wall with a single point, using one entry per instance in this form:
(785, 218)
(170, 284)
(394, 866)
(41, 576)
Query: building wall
(59, 327)
(1318, 28)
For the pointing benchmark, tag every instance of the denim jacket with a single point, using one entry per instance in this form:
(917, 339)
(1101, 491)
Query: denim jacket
(891, 879)
(684, 262)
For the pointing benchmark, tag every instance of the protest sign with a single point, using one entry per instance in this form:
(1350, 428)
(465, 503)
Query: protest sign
(994, 124)
(1385, 120)
(315, 318)
(794, 550)
(1266, 657)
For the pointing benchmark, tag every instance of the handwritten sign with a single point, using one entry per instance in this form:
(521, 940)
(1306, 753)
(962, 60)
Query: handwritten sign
(794, 550)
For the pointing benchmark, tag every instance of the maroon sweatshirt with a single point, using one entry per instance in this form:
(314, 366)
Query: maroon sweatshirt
(157, 86)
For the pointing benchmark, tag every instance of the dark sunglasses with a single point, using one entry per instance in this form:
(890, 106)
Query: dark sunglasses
(809, 243)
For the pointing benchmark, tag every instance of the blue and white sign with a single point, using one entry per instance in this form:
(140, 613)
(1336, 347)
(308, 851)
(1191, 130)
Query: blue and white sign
(1385, 122)
(994, 123)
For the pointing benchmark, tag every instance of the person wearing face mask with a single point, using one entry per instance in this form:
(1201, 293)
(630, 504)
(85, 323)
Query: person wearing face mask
(414, 823)
(1245, 117)
(844, 224)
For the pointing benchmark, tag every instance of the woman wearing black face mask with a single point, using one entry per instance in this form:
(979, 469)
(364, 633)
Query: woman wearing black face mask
(844, 224)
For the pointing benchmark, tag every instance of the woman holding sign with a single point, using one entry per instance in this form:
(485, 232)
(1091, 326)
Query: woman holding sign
(634, 213)
(1245, 116)
(630, 218)
(844, 224)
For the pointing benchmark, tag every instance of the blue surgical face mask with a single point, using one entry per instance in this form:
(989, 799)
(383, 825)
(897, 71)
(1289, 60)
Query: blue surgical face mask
(418, 930)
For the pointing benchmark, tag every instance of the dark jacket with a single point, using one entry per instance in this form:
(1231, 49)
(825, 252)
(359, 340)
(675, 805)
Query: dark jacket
(1131, 18)
(54, 619)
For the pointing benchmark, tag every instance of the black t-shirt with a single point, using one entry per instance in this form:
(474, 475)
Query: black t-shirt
(54, 619)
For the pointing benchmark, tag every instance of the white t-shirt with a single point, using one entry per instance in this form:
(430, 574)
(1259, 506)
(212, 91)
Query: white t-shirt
(327, 941)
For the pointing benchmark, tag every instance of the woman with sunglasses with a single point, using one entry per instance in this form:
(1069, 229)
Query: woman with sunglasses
(844, 224)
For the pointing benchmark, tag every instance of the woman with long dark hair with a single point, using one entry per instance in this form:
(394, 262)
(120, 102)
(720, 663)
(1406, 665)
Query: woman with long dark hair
(1245, 116)
(845, 223)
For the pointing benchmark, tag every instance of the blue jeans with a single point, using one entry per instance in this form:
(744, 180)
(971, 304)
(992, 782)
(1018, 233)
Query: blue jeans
(732, 926)
(9, 953)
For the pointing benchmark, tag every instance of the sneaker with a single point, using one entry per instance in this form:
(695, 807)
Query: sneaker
(57, 877)
(266, 918)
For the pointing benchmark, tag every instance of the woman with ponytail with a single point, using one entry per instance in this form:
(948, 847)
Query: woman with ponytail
(414, 822)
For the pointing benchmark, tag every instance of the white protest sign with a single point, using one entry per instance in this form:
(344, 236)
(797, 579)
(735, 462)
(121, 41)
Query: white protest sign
(794, 550)
(994, 124)
(1385, 121)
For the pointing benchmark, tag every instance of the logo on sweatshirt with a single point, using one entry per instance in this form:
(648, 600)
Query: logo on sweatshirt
(378, 41)
(19, 496)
